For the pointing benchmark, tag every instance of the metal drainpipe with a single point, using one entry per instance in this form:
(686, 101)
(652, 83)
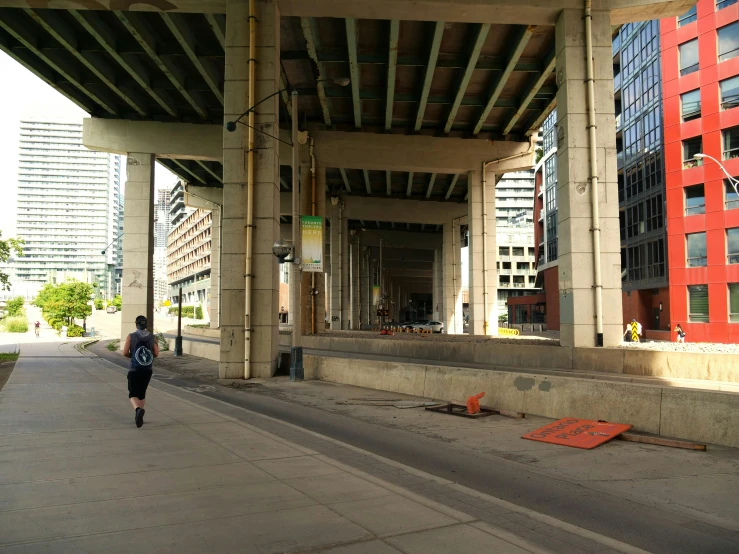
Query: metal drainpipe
(250, 191)
(341, 264)
(313, 212)
(593, 173)
(454, 276)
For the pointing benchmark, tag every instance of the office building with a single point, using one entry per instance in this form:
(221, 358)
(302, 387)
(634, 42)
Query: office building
(700, 60)
(68, 208)
(162, 228)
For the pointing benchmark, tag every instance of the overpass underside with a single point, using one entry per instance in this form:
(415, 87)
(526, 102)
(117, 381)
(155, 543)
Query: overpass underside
(404, 103)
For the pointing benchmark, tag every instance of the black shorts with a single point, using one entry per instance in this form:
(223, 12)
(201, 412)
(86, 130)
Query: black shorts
(138, 380)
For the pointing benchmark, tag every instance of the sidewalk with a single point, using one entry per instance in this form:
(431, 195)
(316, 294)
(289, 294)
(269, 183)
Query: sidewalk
(77, 476)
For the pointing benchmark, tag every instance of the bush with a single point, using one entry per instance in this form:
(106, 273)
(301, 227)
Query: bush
(15, 307)
(99, 304)
(16, 324)
(187, 311)
(117, 302)
(198, 312)
(75, 331)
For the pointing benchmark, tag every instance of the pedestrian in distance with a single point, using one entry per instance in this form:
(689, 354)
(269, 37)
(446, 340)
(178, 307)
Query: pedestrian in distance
(680, 333)
(141, 346)
(633, 331)
(37, 328)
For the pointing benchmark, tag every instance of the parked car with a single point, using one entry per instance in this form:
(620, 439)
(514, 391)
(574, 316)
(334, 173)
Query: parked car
(111, 309)
(416, 324)
(433, 326)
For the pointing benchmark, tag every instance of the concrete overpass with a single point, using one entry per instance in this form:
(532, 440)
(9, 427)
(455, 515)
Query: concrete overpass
(437, 88)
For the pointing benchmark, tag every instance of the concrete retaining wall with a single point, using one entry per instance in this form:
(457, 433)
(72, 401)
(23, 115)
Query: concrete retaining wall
(646, 363)
(207, 350)
(711, 417)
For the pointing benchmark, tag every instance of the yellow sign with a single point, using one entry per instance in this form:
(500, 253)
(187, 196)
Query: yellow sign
(634, 331)
(312, 242)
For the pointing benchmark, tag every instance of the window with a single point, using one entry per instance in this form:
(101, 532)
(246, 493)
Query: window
(721, 4)
(732, 197)
(697, 250)
(691, 147)
(689, 57)
(732, 246)
(691, 104)
(687, 17)
(734, 302)
(729, 93)
(728, 42)
(698, 303)
(695, 200)
(731, 142)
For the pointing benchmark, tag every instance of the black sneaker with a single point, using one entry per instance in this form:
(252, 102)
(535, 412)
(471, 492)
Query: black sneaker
(139, 419)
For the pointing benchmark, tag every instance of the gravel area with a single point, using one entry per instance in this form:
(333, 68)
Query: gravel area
(520, 340)
(705, 347)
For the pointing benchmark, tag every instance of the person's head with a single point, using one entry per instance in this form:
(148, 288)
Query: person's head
(141, 322)
(678, 326)
(633, 320)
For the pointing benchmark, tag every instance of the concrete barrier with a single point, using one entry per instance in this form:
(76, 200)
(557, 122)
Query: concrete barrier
(689, 414)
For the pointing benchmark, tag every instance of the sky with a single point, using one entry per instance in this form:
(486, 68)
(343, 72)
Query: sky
(24, 95)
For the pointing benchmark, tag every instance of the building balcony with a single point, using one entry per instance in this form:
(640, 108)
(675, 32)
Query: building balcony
(620, 160)
(504, 272)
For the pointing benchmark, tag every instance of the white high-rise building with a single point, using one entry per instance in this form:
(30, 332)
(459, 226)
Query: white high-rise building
(69, 207)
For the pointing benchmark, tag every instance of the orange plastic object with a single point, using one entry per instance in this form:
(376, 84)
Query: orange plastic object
(473, 403)
(578, 433)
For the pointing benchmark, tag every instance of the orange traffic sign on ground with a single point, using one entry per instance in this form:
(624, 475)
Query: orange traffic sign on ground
(578, 433)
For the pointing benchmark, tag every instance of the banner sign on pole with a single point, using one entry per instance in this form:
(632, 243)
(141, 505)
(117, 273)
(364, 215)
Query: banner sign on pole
(375, 295)
(312, 242)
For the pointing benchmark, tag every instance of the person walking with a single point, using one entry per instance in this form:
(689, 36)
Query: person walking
(37, 328)
(680, 333)
(633, 331)
(141, 346)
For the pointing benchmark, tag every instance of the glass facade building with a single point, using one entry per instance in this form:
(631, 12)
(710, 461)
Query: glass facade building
(69, 207)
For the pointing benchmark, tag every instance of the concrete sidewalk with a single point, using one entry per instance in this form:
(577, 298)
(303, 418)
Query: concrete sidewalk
(77, 476)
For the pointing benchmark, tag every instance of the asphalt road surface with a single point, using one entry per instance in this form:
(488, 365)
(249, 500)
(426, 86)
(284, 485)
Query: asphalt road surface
(640, 525)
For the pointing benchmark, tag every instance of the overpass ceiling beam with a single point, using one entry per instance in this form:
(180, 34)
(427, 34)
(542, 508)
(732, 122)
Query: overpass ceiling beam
(389, 182)
(453, 184)
(367, 185)
(186, 168)
(143, 34)
(409, 189)
(429, 74)
(44, 72)
(521, 38)
(92, 24)
(392, 59)
(217, 24)
(344, 178)
(351, 46)
(205, 166)
(538, 83)
(184, 36)
(50, 21)
(23, 34)
(431, 185)
(482, 34)
(308, 25)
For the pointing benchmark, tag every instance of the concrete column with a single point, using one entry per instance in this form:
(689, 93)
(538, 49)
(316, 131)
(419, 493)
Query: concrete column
(215, 269)
(367, 286)
(355, 288)
(137, 282)
(346, 296)
(336, 272)
(575, 223)
(452, 252)
(478, 316)
(265, 278)
(437, 293)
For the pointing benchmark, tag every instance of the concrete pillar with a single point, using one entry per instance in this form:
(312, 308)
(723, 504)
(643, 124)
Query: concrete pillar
(478, 275)
(137, 282)
(575, 223)
(345, 273)
(215, 269)
(452, 253)
(262, 320)
(437, 294)
(355, 294)
(336, 272)
(366, 259)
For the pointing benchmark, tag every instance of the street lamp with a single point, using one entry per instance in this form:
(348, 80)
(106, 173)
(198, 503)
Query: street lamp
(733, 180)
(92, 315)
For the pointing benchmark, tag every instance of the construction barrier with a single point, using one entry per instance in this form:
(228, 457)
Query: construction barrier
(508, 332)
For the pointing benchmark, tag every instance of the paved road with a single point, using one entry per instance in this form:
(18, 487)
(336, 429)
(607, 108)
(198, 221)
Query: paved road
(643, 526)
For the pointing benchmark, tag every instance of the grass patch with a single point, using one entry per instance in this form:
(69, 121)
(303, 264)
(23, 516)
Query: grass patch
(113, 345)
(15, 324)
(200, 325)
(8, 357)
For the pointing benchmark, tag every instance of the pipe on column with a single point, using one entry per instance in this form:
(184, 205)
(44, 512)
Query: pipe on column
(250, 191)
(590, 79)
(295, 271)
(313, 212)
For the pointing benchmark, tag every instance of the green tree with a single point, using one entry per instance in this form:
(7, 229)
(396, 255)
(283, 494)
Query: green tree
(66, 301)
(117, 302)
(6, 249)
(15, 306)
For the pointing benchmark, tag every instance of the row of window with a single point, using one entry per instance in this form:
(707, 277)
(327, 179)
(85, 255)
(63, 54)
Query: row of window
(645, 261)
(698, 311)
(690, 102)
(728, 47)
(695, 198)
(693, 146)
(692, 14)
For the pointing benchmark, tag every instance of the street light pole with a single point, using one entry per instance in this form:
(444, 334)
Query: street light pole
(297, 371)
(733, 180)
